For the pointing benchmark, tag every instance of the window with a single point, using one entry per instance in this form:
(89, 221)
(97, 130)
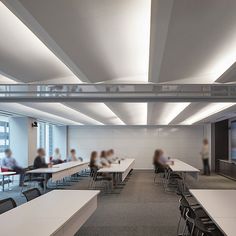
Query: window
(41, 135)
(4, 135)
(45, 138)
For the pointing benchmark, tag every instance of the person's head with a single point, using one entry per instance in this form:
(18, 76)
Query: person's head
(57, 150)
(93, 156)
(205, 141)
(41, 152)
(8, 152)
(158, 153)
(108, 153)
(72, 152)
(111, 152)
(103, 154)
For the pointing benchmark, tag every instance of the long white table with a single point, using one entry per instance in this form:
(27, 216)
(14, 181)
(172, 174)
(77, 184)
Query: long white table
(57, 213)
(182, 167)
(62, 170)
(123, 168)
(220, 205)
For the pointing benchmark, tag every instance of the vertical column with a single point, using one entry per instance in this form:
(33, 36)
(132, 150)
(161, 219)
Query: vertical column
(23, 139)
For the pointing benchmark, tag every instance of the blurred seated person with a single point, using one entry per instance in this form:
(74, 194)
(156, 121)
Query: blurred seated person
(111, 156)
(93, 160)
(104, 159)
(72, 156)
(95, 163)
(159, 161)
(39, 162)
(9, 163)
(56, 159)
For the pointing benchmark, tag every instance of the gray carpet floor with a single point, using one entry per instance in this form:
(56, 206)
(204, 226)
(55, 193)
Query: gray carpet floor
(140, 208)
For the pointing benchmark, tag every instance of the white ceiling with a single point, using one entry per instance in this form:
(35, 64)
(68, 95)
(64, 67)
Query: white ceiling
(161, 41)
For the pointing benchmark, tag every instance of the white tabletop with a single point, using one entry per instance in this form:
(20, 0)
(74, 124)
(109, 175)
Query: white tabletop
(118, 168)
(180, 166)
(58, 167)
(217, 203)
(220, 206)
(7, 173)
(45, 214)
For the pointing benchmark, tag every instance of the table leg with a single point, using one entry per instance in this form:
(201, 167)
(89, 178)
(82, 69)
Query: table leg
(45, 183)
(3, 183)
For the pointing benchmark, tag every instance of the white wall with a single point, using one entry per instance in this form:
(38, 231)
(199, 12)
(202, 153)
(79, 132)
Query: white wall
(183, 142)
(23, 140)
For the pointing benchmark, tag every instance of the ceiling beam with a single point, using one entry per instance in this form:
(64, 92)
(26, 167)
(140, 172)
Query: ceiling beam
(160, 19)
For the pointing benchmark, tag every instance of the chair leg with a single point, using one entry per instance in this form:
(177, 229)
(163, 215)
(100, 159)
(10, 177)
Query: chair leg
(179, 225)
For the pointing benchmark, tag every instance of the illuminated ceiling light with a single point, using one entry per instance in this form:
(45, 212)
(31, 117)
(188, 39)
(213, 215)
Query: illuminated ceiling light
(64, 111)
(6, 80)
(113, 116)
(28, 45)
(170, 112)
(132, 113)
(175, 111)
(37, 114)
(207, 111)
(77, 115)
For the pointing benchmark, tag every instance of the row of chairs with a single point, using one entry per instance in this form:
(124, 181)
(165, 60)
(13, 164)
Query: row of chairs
(196, 221)
(9, 203)
(170, 180)
(193, 219)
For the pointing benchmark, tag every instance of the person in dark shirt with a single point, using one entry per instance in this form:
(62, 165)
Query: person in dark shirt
(39, 162)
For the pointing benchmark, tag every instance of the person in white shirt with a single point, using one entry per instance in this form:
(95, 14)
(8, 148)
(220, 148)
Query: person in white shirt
(205, 157)
(104, 160)
(9, 163)
(57, 156)
(110, 156)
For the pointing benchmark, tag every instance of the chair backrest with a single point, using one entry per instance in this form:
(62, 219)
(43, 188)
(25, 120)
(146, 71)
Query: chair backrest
(6, 205)
(190, 220)
(94, 173)
(32, 194)
(201, 229)
(184, 206)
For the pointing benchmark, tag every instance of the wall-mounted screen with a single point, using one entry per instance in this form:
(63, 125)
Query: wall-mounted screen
(233, 140)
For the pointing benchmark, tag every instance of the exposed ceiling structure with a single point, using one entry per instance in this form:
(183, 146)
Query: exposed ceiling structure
(125, 41)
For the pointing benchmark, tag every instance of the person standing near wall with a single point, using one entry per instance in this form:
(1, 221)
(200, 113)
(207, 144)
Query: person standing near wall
(205, 157)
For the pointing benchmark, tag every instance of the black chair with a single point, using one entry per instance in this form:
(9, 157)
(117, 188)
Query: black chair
(32, 194)
(30, 178)
(205, 230)
(97, 178)
(6, 205)
(198, 223)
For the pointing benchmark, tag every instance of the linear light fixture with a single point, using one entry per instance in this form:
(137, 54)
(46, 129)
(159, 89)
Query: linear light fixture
(207, 111)
(170, 111)
(175, 111)
(23, 110)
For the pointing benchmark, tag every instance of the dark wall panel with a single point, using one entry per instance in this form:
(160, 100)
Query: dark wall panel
(221, 142)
